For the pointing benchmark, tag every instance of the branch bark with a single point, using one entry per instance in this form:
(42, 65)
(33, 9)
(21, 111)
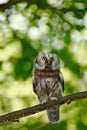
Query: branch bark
(39, 3)
(10, 3)
(14, 116)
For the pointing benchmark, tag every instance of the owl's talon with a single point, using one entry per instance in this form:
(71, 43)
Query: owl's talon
(68, 101)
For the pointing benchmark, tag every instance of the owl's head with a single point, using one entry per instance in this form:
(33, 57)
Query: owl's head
(47, 61)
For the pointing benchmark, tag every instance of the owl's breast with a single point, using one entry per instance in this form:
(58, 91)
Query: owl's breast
(46, 74)
(50, 82)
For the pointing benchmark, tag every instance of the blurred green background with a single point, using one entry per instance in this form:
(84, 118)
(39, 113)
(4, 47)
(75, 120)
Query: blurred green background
(30, 27)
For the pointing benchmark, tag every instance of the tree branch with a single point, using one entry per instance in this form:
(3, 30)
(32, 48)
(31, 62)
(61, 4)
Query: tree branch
(39, 3)
(10, 3)
(14, 116)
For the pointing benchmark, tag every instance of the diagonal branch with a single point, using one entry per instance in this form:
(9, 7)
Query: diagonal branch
(10, 3)
(14, 116)
(39, 3)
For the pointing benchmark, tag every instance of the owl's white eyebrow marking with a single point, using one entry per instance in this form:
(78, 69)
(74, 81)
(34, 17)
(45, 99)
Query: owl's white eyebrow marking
(48, 56)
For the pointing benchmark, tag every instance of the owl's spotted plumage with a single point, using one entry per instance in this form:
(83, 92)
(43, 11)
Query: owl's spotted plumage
(48, 83)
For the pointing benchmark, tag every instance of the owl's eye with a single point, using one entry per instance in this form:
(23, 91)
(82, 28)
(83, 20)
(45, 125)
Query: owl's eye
(44, 58)
(51, 59)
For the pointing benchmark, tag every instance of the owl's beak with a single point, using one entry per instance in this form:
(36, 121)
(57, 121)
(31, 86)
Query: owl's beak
(48, 64)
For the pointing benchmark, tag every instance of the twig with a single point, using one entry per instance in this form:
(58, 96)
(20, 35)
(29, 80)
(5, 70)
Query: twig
(11, 3)
(40, 4)
(14, 116)
(41, 126)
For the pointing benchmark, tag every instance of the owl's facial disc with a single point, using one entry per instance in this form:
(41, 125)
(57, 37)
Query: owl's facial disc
(47, 61)
(39, 62)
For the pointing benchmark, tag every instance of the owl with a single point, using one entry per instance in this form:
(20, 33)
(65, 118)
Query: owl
(48, 82)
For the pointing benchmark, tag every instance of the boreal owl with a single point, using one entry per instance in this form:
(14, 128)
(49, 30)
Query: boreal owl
(48, 82)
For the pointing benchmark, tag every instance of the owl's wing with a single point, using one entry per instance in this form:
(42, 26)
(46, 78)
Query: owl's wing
(34, 84)
(61, 80)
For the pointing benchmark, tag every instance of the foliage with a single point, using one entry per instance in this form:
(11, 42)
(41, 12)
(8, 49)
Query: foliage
(27, 28)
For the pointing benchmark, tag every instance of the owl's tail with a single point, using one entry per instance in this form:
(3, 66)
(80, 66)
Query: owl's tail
(53, 114)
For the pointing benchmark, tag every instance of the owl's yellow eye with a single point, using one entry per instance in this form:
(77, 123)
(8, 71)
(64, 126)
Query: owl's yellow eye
(44, 58)
(51, 59)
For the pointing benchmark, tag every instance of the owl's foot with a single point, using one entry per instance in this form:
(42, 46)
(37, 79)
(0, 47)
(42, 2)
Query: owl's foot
(68, 101)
